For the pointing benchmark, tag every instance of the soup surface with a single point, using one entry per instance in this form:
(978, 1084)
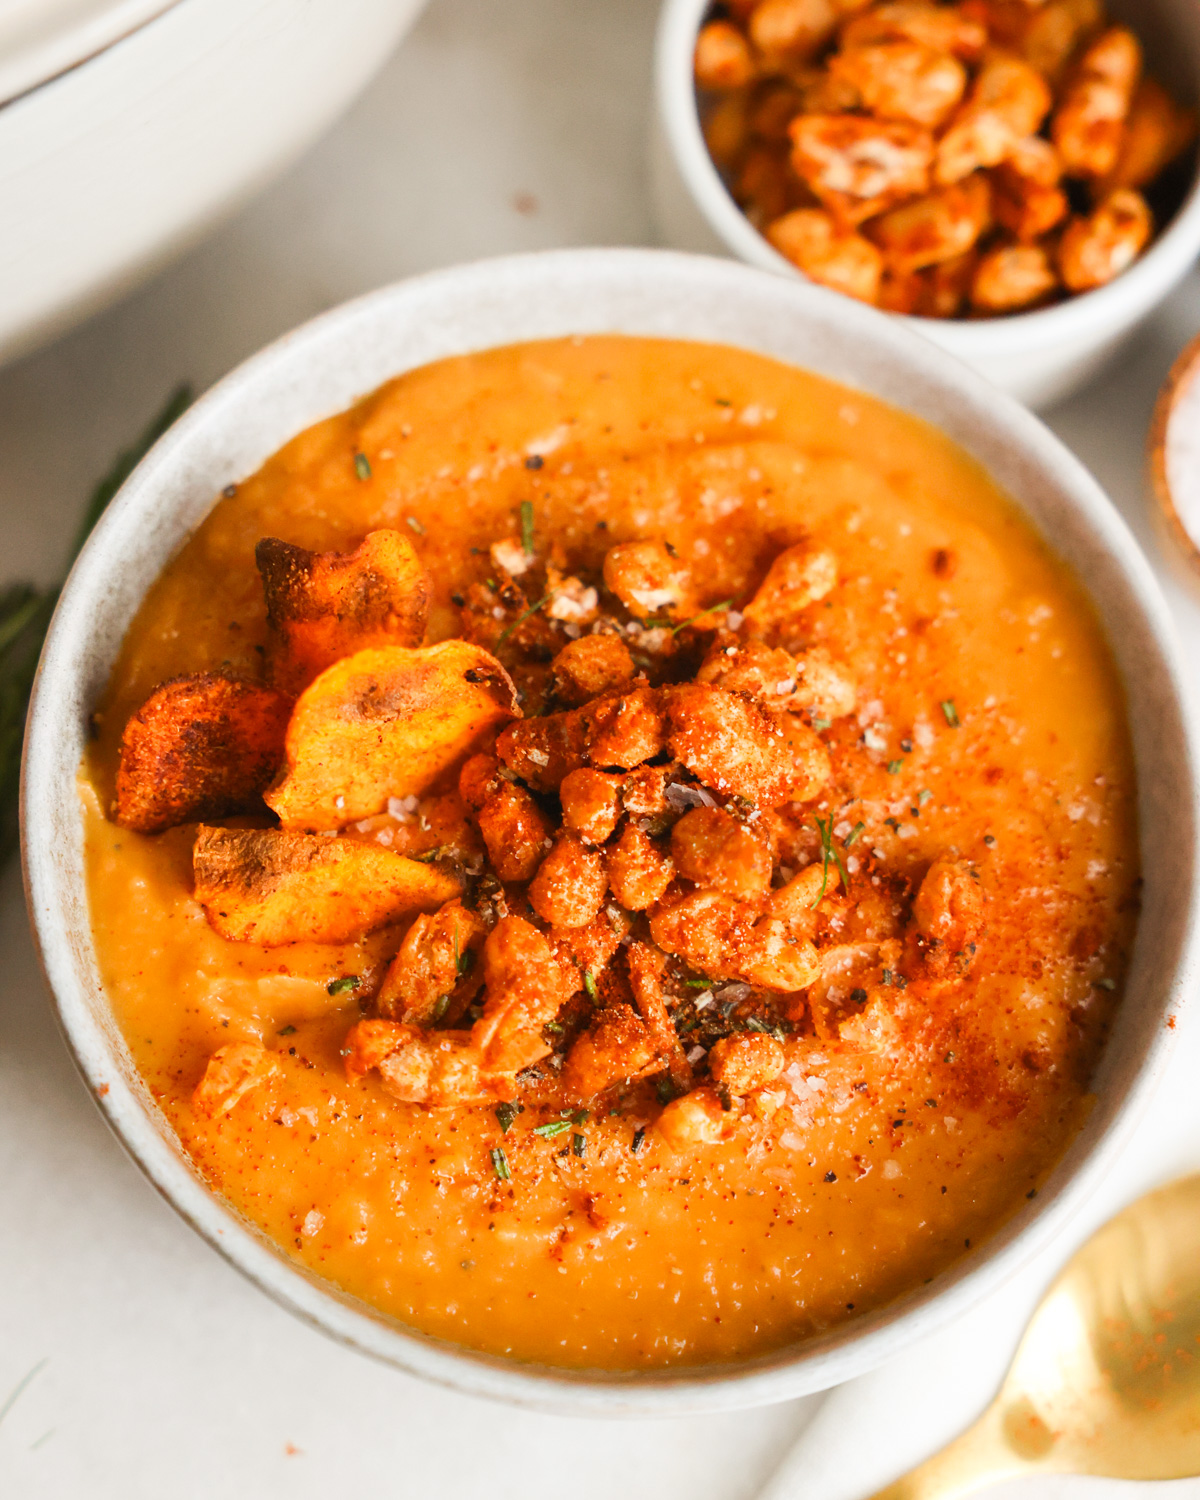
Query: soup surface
(798, 1122)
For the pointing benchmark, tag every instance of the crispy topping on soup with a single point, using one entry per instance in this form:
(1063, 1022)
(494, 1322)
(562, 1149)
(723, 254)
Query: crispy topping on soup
(631, 859)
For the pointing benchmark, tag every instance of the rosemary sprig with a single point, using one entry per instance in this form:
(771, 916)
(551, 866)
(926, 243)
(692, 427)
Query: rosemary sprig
(825, 829)
(25, 613)
(520, 620)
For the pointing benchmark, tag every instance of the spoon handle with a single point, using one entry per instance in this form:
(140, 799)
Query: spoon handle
(978, 1457)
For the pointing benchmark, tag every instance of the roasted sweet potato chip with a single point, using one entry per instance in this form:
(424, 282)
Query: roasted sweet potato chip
(386, 723)
(271, 887)
(199, 747)
(322, 606)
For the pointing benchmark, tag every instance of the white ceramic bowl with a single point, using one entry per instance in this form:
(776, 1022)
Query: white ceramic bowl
(324, 366)
(1039, 357)
(112, 167)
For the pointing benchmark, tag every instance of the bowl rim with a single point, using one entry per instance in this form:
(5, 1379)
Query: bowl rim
(1095, 313)
(326, 363)
(71, 42)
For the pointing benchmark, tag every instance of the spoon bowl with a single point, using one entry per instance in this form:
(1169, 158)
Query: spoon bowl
(1106, 1380)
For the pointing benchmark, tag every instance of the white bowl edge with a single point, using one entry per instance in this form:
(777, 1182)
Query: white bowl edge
(320, 369)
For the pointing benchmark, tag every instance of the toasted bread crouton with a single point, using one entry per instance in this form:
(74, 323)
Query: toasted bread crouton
(202, 746)
(592, 665)
(270, 887)
(713, 849)
(649, 581)
(525, 986)
(437, 956)
(440, 1069)
(568, 890)
(386, 722)
(737, 747)
(322, 606)
(232, 1071)
(617, 1045)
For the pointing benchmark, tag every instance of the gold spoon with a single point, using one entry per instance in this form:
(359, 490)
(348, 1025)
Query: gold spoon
(1107, 1377)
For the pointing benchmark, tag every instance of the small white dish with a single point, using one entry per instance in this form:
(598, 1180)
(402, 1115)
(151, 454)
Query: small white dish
(114, 166)
(1040, 356)
(324, 366)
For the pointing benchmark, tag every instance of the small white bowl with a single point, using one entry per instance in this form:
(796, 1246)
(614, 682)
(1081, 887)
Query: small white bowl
(1039, 357)
(114, 166)
(323, 367)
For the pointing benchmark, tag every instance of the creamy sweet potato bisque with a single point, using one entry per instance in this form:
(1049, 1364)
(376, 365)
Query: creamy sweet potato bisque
(617, 852)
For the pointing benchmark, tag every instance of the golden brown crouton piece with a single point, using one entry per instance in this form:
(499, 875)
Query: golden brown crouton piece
(440, 1069)
(590, 666)
(386, 722)
(621, 730)
(199, 747)
(632, 733)
(713, 849)
(738, 748)
(515, 830)
(638, 870)
(436, 953)
(591, 803)
(698, 1119)
(644, 790)
(568, 890)
(650, 581)
(270, 887)
(745, 1061)
(590, 949)
(858, 167)
(542, 751)
(646, 965)
(1157, 130)
(618, 1045)
(232, 1071)
(948, 909)
(322, 606)
(728, 939)
(797, 578)
(525, 987)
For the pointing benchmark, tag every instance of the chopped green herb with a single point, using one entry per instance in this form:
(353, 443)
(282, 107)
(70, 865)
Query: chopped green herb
(507, 1113)
(534, 461)
(711, 610)
(756, 1023)
(721, 401)
(578, 1144)
(894, 766)
(286, 1031)
(415, 525)
(820, 724)
(554, 1027)
(1106, 984)
(639, 1135)
(500, 1163)
(853, 835)
(665, 1089)
(923, 796)
(362, 466)
(578, 1117)
(440, 1006)
(950, 712)
(426, 856)
(340, 986)
(825, 829)
(520, 620)
(698, 984)
(589, 984)
(552, 1128)
(527, 527)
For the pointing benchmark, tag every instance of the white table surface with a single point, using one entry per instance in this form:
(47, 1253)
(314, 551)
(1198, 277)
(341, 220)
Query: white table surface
(501, 125)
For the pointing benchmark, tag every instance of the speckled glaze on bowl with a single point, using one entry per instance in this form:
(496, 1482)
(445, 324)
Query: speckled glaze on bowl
(320, 369)
(1039, 357)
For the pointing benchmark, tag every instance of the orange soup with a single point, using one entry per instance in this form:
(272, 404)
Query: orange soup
(619, 853)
